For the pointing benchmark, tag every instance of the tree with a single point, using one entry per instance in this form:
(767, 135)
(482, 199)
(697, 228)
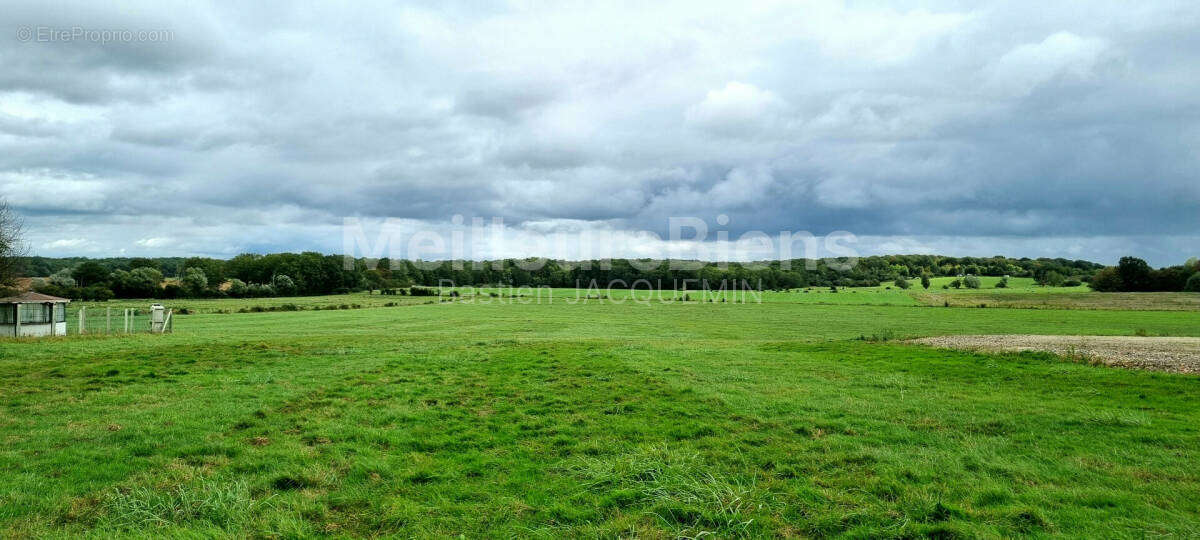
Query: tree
(11, 245)
(971, 282)
(90, 273)
(259, 290)
(1135, 274)
(925, 280)
(1052, 279)
(137, 283)
(1002, 284)
(902, 283)
(1107, 280)
(141, 262)
(237, 288)
(283, 285)
(62, 278)
(1193, 283)
(194, 281)
(957, 283)
(214, 269)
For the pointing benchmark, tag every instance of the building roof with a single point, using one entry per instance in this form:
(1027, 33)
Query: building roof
(32, 298)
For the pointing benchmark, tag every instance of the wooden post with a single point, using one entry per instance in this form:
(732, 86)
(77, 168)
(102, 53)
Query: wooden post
(107, 320)
(53, 324)
(82, 319)
(17, 313)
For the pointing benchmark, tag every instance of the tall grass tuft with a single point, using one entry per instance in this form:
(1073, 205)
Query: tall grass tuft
(226, 505)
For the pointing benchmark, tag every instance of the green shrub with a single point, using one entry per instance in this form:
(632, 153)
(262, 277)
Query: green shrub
(1193, 283)
(971, 282)
(194, 281)
(1107, 280)
(283, 285)
(237, 288)
(1051, 279)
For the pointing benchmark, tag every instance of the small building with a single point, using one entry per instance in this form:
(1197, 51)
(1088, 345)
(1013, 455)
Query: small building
(33, 314)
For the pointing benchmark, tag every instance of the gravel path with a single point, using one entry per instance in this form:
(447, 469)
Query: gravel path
(1174, 354)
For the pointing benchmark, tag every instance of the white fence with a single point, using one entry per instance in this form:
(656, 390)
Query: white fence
(108, 320)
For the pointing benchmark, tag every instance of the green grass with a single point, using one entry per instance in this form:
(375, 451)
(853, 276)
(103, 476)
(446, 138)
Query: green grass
(811, 295)
(988, 283)
(234, 305)
(596, 420)
(1064, 299)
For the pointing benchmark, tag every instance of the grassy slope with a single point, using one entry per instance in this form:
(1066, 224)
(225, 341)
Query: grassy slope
(595, 420)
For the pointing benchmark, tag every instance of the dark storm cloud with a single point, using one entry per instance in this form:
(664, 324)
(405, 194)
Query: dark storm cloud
(1068, 127)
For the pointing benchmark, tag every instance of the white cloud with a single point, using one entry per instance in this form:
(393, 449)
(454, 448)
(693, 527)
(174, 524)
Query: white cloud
(66, 243)
(155, 242)
(742, 186)
(737, 109)
(54, 189)
(1061, 55)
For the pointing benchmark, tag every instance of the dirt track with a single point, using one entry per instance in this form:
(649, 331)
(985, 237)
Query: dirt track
(1174, 354)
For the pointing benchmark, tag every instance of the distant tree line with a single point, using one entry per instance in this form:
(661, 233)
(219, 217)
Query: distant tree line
(244, 276)
(310, 273)
(1132, 274)
(47, 266)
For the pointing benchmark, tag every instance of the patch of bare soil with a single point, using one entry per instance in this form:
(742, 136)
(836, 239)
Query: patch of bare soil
(1173, 354)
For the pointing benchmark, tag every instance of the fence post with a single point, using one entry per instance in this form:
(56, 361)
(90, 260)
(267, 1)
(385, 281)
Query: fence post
(82, 325)
(107, 320)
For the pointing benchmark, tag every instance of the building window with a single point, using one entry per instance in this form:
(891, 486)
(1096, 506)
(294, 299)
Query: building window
(34, 314)
(60, 313)
(7, 314)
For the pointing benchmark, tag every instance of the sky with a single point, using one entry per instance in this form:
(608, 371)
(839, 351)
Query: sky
(1026, 129)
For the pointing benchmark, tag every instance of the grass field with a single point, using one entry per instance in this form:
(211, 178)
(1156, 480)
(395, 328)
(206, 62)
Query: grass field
(1159, 301)
(596, 419)
(234, 305)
